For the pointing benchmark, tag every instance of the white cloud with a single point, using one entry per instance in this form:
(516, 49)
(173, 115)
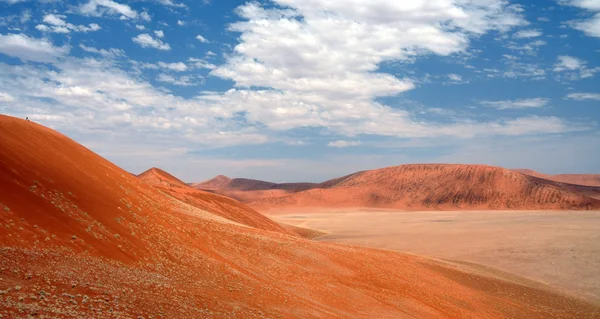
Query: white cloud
(186, 80)
(43, 28)
(342, 143)
(159, 33)
(5, 97)
(321, 59)
(10, 2)
(145, 16)
(568, 63)
(201, 64)
(591, 26)
(99, 8)
(54, 20)
(110, 53)
(59, 25)
(584, 96)
(170, 3)
(316, 62)
(147, 41)
(527, 34)
(30, 49)
(201, 39)
(517, 104)
(456, 79)
(180, 23)
(178, 67)
(140, 27)
(574, 67)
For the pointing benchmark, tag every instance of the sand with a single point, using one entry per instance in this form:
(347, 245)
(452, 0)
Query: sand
(560, 248)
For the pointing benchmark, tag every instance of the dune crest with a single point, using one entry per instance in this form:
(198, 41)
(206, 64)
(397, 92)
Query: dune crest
(437, 186)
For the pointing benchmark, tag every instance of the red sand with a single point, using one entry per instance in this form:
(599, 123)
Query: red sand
(82, 238)
(438, 186)
(577, 179)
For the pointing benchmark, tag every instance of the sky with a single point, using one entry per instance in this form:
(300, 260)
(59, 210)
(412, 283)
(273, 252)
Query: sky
(307, 90)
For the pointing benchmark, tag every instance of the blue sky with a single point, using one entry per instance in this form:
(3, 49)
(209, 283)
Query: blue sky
(306, 90)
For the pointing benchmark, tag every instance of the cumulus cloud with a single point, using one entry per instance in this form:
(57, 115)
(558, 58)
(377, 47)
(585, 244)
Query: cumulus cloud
(170, 3)
(456, 79)
(568, 63)
(145, 16)
(108, 53)
(584, 96)
(201, 64)
(517, 104)
(180, 23)
(159, 33)
(531, 33)
(342, 143)
(322, 58)
(590, 26)
(30, 49)
(310, 64)
(178, 66)
(147, 41)
(186, 80)
(140, 27)
(201, 39)
(574, 67)
(59, 25)
(99, 8)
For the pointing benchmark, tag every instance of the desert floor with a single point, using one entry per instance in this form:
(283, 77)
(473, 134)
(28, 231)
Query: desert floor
(559, 248)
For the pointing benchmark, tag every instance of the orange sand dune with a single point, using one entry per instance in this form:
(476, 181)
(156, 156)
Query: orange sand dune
(216, 204)
(82, 238)
(246, 190)
(578, 179)
(437, 186)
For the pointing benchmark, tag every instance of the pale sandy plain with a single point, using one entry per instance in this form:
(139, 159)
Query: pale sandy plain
(558, 248)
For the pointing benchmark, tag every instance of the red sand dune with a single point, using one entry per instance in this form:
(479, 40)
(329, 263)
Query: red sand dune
(82, 238)
(437, 186)
(246, 190)
(216, 204)
(577, 179)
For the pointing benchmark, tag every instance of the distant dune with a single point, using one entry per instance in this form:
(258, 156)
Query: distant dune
(246, 190)
(82, 238)
(577, 179)
(438, 186)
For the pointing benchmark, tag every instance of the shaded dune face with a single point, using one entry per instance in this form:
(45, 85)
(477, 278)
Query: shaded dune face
(439, 186)
(82, 238)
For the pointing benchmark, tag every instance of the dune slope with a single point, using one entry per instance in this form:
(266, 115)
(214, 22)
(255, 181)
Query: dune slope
(438, 186)
(246, 190)
(82, 238)
(576, 179)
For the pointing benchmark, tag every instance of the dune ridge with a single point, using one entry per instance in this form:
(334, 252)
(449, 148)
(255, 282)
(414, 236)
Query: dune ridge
(437, 186)
(576, 179)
